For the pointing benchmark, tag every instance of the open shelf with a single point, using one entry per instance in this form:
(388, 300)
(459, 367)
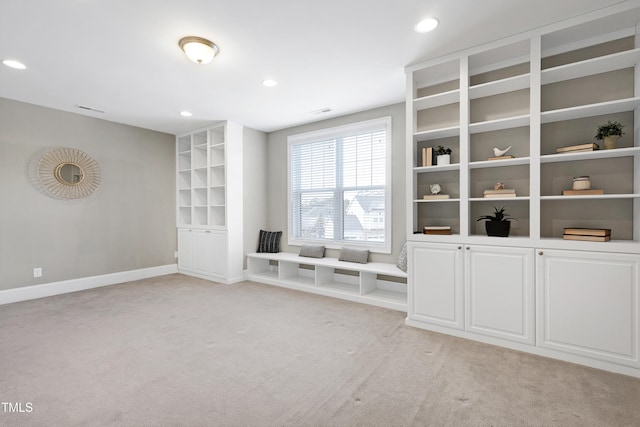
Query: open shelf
(331, 277)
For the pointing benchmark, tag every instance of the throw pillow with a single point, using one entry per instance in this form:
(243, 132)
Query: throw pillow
(313, 251)
(269, 241)
(402, 258)
(354, 255)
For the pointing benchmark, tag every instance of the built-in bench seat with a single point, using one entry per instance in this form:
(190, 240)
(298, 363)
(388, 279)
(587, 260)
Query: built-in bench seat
(331, 277)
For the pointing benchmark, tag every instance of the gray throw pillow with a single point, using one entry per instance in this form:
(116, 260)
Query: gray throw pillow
(312, 251)
(402, 258)
(354, 255)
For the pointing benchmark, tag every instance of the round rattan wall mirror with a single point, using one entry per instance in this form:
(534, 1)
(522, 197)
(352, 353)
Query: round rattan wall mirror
(67, 173)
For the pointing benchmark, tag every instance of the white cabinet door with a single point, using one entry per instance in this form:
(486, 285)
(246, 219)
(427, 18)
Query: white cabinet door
(219, 254)
(499, 298)
(588, 303)
(201, 251)
(435, 284)
(185, 250)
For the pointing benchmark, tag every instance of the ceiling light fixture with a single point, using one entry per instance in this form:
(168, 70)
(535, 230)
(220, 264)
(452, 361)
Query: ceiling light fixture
(199, 50)
(269, 83)
(186, 113)
(426, 25)
(14, 64)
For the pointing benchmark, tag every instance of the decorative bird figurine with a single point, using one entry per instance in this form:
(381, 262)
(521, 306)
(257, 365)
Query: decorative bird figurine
(499, 153)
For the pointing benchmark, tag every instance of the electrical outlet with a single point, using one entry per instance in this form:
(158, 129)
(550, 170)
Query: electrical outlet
(175, 254)
(37, 272)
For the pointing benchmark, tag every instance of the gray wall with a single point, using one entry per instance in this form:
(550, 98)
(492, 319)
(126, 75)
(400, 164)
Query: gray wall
(277, 175)
(255, 187)
(128, 224)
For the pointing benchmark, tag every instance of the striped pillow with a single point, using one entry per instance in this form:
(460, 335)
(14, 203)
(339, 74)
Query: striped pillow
(269, 241)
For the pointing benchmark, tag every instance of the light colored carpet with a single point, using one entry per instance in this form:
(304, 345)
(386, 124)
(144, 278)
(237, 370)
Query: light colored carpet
(179, 351)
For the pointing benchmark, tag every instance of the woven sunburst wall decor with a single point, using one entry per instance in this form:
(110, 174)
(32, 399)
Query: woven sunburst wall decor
(67, 173)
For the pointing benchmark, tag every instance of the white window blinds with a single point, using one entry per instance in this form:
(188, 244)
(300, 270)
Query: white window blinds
(339, 181)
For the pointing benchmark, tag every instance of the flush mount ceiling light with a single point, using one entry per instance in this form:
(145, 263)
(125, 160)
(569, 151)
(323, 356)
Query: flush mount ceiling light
(199, 50)
(14, 64)
(269, 83)
(186, 113)
(426, 25)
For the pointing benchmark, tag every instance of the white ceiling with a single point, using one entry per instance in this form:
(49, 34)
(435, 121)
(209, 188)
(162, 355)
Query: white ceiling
(122, 56)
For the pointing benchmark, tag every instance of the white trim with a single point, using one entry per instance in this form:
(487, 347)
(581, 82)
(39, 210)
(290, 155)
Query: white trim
(26, 293)
(339, 132)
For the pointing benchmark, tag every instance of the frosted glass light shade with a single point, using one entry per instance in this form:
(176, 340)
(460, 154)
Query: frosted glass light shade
(199, 50)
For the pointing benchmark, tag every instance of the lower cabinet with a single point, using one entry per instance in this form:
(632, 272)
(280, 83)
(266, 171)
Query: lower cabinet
(578, 306)
(436, 284)
(483, 289)
(499, 292)
(202, 253)
(588, 304)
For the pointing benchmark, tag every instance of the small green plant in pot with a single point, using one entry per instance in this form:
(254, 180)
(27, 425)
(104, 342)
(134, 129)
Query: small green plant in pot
(443, 155)
(498, 224)
(609, 133)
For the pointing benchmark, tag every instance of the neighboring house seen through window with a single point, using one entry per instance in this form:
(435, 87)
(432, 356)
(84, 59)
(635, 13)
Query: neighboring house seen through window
(340, 186)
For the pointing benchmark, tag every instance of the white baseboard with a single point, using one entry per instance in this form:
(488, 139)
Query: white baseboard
(55, 288)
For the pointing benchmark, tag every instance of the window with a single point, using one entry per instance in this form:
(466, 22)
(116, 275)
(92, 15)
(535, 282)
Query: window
(340, 186)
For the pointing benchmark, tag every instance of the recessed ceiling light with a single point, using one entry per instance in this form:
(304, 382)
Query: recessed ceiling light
(186, 113)
(14, 64)
(426, 25)
(269, 83)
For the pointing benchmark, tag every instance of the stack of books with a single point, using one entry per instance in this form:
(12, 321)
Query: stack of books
(590, 192)
(578, 148)
(500, 194)
(588, 234)
(437, 229)
(427, 156)
(504, 157)
(435, 196)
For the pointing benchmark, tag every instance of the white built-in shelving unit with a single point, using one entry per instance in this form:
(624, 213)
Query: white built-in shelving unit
(209, 202)
(535, 92)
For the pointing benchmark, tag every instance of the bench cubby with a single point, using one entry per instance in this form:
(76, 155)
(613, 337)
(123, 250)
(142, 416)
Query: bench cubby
(375, 283)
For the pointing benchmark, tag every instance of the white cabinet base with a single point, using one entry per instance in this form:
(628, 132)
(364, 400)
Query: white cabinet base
(319, 276)
(587, 304)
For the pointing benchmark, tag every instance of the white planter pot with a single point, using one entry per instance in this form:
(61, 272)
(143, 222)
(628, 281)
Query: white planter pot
(443, 159)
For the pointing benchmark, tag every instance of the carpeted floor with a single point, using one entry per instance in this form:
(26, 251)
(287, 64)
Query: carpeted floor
(179, 351)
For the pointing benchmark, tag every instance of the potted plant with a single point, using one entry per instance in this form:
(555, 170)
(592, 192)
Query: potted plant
(443, 155)
(609, 133)
(498, 224)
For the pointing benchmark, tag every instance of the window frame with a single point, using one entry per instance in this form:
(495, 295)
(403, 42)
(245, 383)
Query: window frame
(342, 131)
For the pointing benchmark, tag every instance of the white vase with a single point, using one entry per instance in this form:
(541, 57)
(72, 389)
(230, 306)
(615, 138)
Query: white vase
(443, 159)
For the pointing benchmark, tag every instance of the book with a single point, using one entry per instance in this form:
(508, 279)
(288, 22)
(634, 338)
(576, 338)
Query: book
(438, 232)
(503, 191)
(427, 156)
(508, 156)
(587, 238)
(585, 147)
(435, 196)
(500, 196)
(582, 192)
(588, 231)
(437, 227)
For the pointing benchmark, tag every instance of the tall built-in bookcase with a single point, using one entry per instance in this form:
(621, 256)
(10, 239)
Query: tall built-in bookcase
(535, 92)
(209, 201)
(202, 179)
